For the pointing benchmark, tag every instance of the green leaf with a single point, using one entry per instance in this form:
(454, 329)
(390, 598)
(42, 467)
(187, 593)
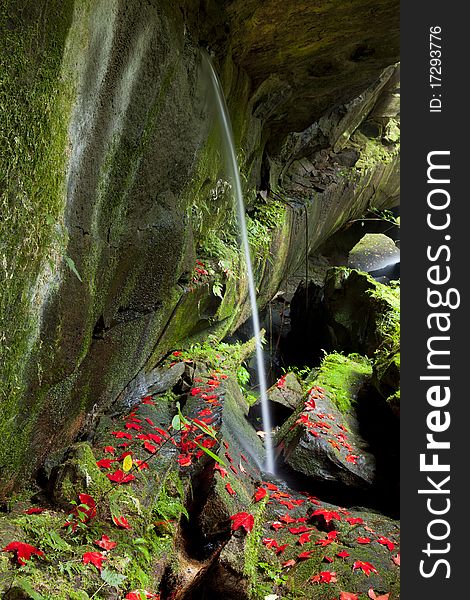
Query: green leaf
(211, 454)
(72, 267)
(112, 578)
(217, 290)
(206, 429)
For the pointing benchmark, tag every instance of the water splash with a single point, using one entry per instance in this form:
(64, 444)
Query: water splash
(234, 172)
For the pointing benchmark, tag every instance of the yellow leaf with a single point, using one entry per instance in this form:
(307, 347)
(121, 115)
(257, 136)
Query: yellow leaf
(127, 463)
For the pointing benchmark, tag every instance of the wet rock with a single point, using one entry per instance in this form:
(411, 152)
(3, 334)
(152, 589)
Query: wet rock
(373, 252)
(322, 439)
(287, 391)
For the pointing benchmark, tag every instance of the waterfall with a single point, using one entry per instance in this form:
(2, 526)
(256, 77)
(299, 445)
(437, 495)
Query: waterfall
(234, 173)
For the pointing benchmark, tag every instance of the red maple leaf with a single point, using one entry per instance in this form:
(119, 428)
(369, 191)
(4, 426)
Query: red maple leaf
(288, 563)
(304, 539)
(277, 525)
(34, 510)
(104, 463)
(374, 596)
(120, 477)
(280, 549)
(323, 543)
(301, 529)
(121, 522)
(105, 543)
(147, 400)
(352, 458)
(355, 520)
(363, 540)
(140, 594)
(328, 515)
(95, 558)
(396, 559)
(270, 543)
(287, 518)
(121, 434)
(324, 577)
(184, 460)
(134, 426)
(342, 554)
(195, 391)
(348, 596)
(150, 447)
(260, 494)
(23, 551)
(367, 567)
(109, 449)
(244, 520)
(220, 469)
(140, 464)
(230, 490)
(305, 555)
(270, 486)
(386, 542)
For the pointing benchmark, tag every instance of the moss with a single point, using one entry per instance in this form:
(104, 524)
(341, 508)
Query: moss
(37, 88)
(342, 376)
(252, 549)
(372, 152)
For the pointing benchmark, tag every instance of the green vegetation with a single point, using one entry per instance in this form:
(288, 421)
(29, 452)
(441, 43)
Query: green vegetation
(342, 377)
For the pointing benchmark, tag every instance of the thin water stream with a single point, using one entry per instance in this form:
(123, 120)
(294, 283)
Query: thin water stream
(234, 173)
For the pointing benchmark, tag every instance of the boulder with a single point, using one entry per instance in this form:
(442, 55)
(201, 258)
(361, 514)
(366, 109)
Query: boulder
(373, 252)
(322, 438)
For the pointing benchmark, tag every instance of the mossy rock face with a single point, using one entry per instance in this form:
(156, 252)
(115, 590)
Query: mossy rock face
(114, 165)
(322, 438)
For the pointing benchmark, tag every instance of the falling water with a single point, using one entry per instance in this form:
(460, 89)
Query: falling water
(234, 172)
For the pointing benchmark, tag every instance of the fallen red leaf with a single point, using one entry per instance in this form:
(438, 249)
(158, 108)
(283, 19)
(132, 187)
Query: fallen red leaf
(150, 447)
(120, 477)
(277, 525)
(23, 551)
(287, 519)
(324, 577)
(363, 540)
(304, 539)
(34, 510)
(386, 542)
(288, 563)
(243, 520)
(355, 520)
(260, 494)
(121, 434)
(305, 555)
(220, 469)
(184, 460)
(139, 594)
(280, 549)
(348, 596)
(270, 543)
(105, 543)
(342, 554)
(121, 522)
(230, 490)
(396, 559)
(109, 449)
(301, 529)
(328, 515)
(367, 567)
(95, 558)
(105, 463)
